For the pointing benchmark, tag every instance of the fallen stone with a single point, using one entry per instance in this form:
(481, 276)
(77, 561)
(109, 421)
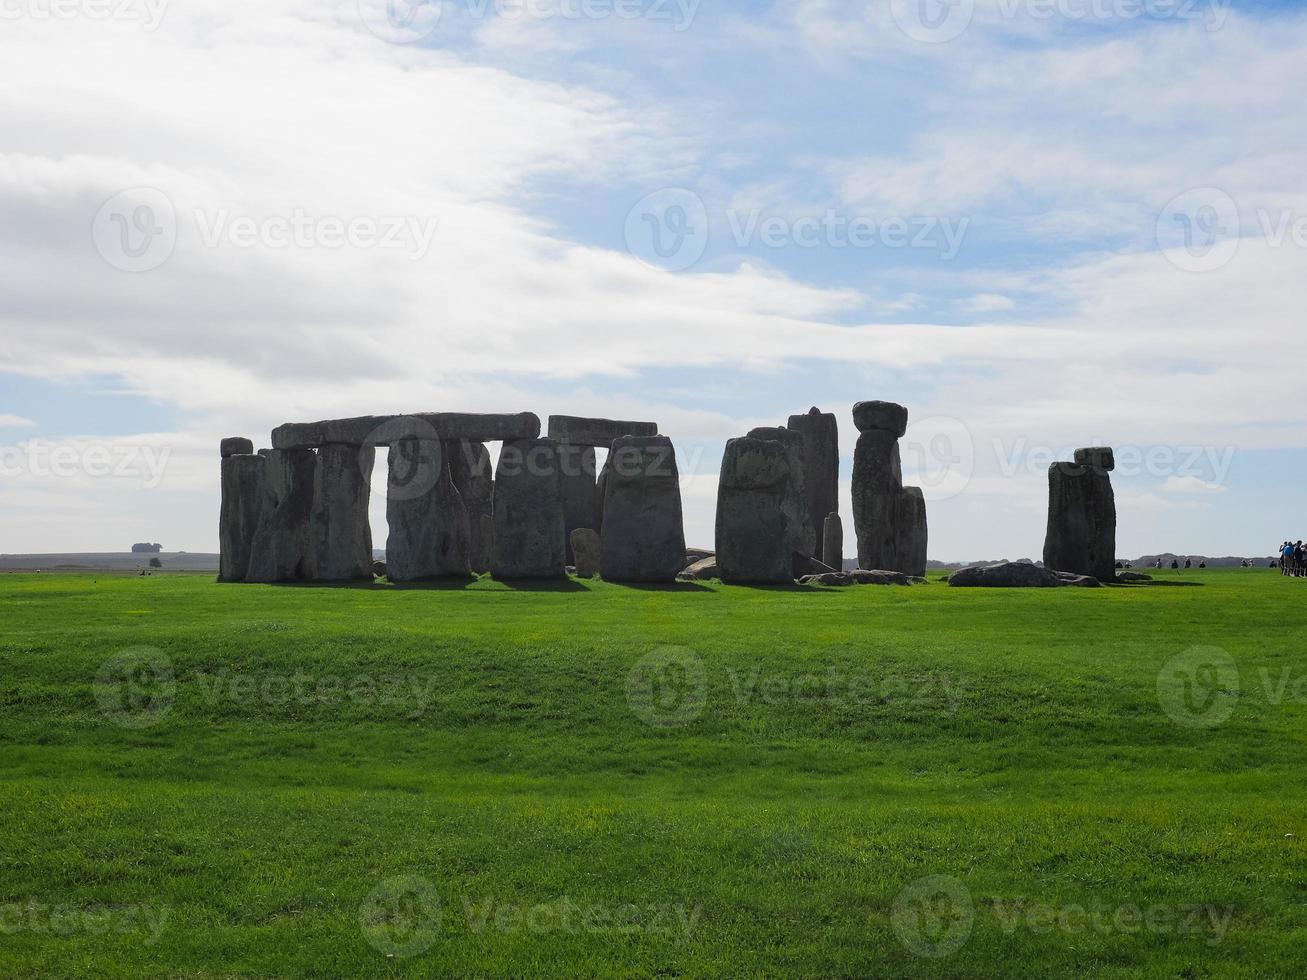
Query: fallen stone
(579, 431)
(1070, 578)
(235, 446)
(862, 576)
(1008, 574)
(1133, 577)
(755, 535)
(381, 430)
(586, 546)
(821, 462)
(643, 537)
(884, 416)
(528, 512)
(802, 565)
(238, 517)
(430, 534)
(704, 568)
(340, 538)
(280, 550)
(832, 541)
(473, 476)
(695, 554)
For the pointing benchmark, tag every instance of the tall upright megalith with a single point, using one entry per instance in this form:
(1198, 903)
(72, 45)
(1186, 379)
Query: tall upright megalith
(643, 536)
(529, 525)
(1081, 532)
(238, 516)
(801, 534)
(430, 533)
(280, 551)
(755, 529)
(473, 476)
(821, 463)
(888, 519)
(832, 542)
(340, 538)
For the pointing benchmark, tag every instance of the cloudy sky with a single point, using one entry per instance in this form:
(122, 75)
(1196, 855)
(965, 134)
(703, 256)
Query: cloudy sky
(1039, 224)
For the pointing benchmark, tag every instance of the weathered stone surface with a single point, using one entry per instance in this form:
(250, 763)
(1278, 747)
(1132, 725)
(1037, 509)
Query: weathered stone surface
(1007, 574)
(1100, 456)
(488, 539)
(795, 504)
(832, 541)
(579, 431)
(696, 554)
(529, 539)
(885, 416)
(755, 534)
(1133, 577)
(585, 545)
(340, 539)
(580, 496)
(1081, 531)
(473, 476)
(280, 550)
(430, 534)
(235, 446)
(821, 462)
(1070, 578)
(877, 489)
(238, 518)
(910, 532)
(643, 537)
(381, 430)
(862, 576)
(704, 568)
(378, 569)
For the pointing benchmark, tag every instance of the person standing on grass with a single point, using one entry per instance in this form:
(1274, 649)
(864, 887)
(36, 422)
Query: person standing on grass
(1286, 557)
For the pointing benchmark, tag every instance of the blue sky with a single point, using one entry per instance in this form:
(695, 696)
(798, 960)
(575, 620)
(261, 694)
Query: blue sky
(1080, 221)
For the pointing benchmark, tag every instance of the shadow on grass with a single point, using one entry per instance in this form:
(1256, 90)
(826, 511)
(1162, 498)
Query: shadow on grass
(665, 586)
(1153, 583)
(541, 584)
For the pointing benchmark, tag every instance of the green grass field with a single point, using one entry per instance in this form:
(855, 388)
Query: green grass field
(207, 780)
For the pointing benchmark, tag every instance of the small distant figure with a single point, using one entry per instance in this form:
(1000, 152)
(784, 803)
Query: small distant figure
(1188, 563)
(1175, 563)
(1202, 564)
(1158, 563)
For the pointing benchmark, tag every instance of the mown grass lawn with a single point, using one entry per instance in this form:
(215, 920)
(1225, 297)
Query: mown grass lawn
(217, 780)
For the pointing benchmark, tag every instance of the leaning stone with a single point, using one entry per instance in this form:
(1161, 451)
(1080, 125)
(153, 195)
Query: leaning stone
(885, 416)
(1100, 456)
(643, 537)
(755, 535)
(238, 518)
(528, 512)
(877, 488)
(795, 504)
(340, 538)
(1081, 531)
(584, 542)
(832, 541)
(821, 461)
(580, 497)
(430, 534)
(280, 551)
(381, 430)
(579, 431)
(473, 476)
(235, 446)
(704, 568)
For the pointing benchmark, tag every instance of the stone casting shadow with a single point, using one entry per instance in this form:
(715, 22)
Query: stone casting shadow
(665, 586)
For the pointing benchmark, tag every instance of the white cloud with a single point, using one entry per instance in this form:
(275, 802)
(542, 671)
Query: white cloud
(1190, 484)
(15, 422)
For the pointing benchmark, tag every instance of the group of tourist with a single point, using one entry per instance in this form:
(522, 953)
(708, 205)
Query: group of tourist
(1293, 560)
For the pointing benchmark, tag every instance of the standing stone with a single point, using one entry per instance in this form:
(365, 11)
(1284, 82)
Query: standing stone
(821, 460)
(643, 537)
(340, 538)
(832, 542)
(1081, 533)
(585, 545)
(580, 497)
(754, 533)
(280, 552)
(877, 486)
(238, 518)
(429, 528)
(911, 533)
(473, 476)
(803, 536)
(528, 511)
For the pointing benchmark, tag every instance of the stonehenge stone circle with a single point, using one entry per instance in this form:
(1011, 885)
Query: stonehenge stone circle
(832, 541)
(238, 519)
(821, 460)
(803, 536)
(473, 476)
(340, 539)
(888, 518)
(643, 537)
(528, 511)
(580, 494)
(280, 551)
(755, 537)
(430, 534)
(1081, 533)
(236, 446)
(585, 545)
